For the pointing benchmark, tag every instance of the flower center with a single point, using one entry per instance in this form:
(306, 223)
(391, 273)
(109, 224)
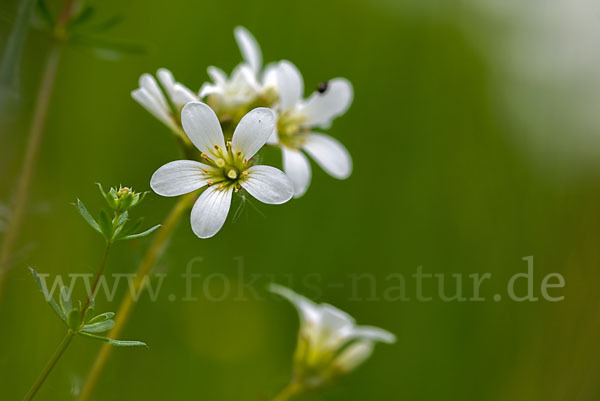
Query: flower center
(226, 168)
(291, 129)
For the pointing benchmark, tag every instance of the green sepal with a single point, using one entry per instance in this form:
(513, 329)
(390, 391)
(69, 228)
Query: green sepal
(87, 216)
(99, 327)
(117, 343)
(51, 301)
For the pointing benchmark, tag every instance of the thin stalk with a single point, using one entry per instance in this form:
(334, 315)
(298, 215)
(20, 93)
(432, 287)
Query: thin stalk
(99, 273)
(126, 307)
(292, 390)
(50, 365)
(36, 134)
(30, 161)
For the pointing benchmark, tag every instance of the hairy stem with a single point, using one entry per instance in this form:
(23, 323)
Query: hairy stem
(50, 365)
(126, 307)
(292, 390)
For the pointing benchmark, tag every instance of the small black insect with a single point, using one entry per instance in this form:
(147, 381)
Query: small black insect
(322, 87)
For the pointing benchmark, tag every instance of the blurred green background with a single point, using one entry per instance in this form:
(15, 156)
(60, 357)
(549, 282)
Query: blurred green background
(439, 182)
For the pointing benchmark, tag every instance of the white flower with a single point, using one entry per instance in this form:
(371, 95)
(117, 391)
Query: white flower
(244, 85)
(227, 167)
(165, 108)
(297, 119)
(329, 343)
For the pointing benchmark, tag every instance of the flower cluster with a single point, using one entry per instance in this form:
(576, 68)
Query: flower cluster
(231, 118)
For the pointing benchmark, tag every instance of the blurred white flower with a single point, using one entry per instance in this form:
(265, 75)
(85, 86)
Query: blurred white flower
(297, 119)
(244, 85)
(166, 108)
(226, 169)
(330, 344)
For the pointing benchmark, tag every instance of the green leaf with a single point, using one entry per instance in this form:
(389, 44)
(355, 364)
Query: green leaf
(74, 319)
(117, 343)
(65, 301)
(87, 216)
(89, 311)
(107, 24)
(133, 227)
(120, 223)
(142, 234)
(102, 317)
(99, 327)
(105, 225)
(85, 15)
(51, 301)
(45, 13)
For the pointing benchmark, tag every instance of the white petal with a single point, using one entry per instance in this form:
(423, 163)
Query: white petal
(373, 334)
(268, 185)
(252, 132)
(208, 89)
(330, 154)
(289, 84)
(201, 125)
(353, 356)
(334, 319)
(148, 83)
(297, 168)
(149, 102)
(244, 79)
(269, 76)
(210, 211)
(217, 75)
(321, 108)
(166, 79)
(308, 310)
(249, 48)
(179, 177)
(182, 95)
(274, 138)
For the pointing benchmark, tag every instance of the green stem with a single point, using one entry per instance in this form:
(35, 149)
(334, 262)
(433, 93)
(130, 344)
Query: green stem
(99, 272)
(126, 307)
(34, 143)
(50, 365)
(292, 390)
(30, 161)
